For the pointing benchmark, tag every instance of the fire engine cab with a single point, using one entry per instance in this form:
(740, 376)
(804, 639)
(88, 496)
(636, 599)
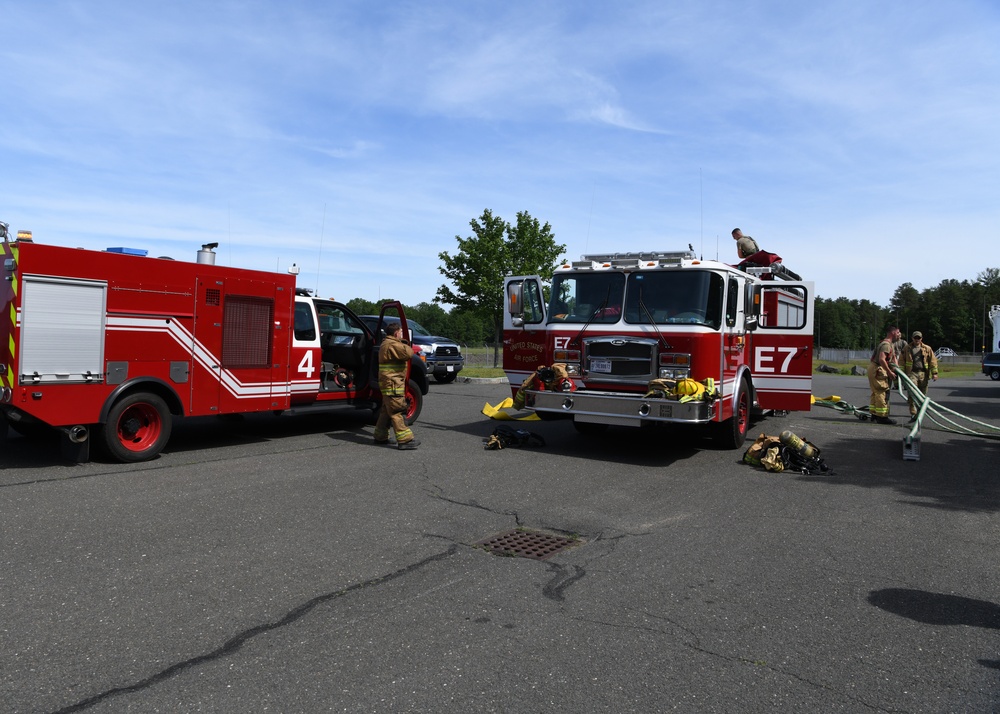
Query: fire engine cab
(624, 324)
(113, 344)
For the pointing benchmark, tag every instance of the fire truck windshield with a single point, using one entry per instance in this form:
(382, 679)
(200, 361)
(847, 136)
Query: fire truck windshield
(587, 298)
(688, 297)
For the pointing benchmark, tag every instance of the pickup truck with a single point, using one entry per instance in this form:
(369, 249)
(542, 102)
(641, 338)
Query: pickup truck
(442, 356)
(991, 365)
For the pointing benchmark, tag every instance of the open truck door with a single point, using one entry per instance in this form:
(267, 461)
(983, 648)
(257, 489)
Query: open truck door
(781, 344)
(524, 332)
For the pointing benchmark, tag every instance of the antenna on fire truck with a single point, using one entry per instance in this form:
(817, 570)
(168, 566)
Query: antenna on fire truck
(701, 200)
(319, 258)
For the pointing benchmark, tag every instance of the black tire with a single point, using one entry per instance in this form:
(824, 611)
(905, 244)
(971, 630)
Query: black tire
(138, 428)
(731, 433)
(446, 378)
(414, 402)
(995, 373)
(588, 428)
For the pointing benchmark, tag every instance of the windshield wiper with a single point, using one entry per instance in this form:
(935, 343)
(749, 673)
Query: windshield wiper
(604, 304)
(649, 316)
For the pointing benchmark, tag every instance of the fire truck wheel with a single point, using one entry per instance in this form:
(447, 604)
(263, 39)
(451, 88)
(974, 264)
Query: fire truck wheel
(138, 427)
(414, 402)
(733, 432)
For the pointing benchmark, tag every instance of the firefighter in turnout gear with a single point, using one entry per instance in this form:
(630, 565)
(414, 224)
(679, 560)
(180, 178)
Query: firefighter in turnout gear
(881, 372)
(393, 365)
(920, 365)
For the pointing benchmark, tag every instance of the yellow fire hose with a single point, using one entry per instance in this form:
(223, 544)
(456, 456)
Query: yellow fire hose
(496, 412)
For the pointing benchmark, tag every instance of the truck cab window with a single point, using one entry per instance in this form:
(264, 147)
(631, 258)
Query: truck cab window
(305, 327)
(675, 298)
(732, 302)
(595, 298)
(532, 302)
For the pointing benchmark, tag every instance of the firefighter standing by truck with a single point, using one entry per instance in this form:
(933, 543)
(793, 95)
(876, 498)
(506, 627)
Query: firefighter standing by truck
(393, 361)
(880, 373)
(920, 365)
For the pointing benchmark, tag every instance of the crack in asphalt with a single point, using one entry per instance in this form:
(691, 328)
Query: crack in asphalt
(695, 644)
(556, 588)
(474, 504)
(160, 465)
(237, 642)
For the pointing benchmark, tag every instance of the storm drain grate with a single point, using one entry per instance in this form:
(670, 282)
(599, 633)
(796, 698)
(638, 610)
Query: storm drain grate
(527, 544)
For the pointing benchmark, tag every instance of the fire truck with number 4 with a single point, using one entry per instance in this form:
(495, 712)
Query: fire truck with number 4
(630, 326)
(113, 345)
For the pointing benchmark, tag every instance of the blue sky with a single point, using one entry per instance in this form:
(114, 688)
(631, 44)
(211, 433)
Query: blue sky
(858, 140)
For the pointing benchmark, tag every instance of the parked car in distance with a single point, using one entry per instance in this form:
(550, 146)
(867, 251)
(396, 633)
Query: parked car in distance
(991, 365)
(442, 356)
(944, 352)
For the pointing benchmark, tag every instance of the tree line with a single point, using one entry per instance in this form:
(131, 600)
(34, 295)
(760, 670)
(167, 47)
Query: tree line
(952, 314)
(463, 326)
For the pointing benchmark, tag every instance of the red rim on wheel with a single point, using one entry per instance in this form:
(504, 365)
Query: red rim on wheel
(742, 410)
(139, 427)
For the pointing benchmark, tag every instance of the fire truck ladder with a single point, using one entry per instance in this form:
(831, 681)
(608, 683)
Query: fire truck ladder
(777, 270)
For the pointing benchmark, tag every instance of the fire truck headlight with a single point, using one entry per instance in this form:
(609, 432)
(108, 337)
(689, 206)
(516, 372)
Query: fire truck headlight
(573, 370)
(673, 373)
(675, 359)
(566, 355)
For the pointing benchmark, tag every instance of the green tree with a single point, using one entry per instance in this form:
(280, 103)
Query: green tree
(360, 306)
(468, 328)
(904, 305)
(431, 317)
(495, 250)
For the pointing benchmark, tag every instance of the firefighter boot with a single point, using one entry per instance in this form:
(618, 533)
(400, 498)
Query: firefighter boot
(408, 445)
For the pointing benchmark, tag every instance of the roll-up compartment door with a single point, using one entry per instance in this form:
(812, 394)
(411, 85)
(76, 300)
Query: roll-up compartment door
(62, 330)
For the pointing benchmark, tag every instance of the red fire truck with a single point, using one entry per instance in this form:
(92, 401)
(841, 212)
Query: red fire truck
(114, 344)
(620, 321)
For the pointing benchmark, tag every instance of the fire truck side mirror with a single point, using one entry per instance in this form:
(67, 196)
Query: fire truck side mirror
(752, 320)
(515, 302)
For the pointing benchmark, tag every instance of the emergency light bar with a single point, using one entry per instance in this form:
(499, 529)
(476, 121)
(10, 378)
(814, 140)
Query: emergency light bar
(675, 256)
(625, 263)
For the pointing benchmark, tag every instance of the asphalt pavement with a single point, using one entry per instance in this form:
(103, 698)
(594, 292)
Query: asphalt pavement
(288, 565)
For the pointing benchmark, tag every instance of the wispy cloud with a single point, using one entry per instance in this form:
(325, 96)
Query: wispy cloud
(378, 131)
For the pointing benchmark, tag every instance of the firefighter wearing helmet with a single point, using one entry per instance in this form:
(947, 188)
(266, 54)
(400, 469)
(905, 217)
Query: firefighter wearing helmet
(393, 364)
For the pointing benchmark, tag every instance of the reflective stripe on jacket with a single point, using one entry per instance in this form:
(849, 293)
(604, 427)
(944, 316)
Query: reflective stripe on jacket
(393, 366)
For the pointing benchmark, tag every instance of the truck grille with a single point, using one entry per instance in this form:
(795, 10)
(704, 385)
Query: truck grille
(446, 351)
(620, 358)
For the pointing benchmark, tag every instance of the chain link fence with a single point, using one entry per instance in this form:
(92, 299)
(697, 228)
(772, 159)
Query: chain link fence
(839, 356)
(481, 354)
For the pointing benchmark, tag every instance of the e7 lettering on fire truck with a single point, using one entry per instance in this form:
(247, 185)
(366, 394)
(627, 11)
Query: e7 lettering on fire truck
(660, 338)
(113, 345)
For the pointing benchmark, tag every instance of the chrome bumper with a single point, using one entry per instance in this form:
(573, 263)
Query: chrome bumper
(619, 409)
